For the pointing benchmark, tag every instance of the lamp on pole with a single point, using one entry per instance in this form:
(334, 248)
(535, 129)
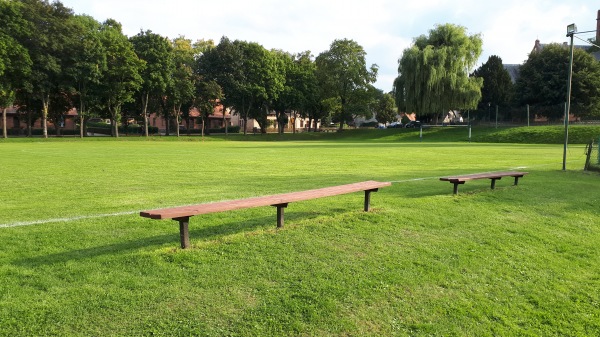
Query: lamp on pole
(571, 30)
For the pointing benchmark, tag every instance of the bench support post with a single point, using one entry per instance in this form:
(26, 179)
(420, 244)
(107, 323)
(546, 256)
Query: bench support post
(368, 198)
(456, 186)
(493, 186)
(280, 208)
(517, 180)
(184, 233)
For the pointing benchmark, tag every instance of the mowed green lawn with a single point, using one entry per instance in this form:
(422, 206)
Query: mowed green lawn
(77, 259)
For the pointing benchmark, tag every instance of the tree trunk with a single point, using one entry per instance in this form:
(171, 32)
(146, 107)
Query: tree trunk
(224, 120)
(145, 108)
(115, 114)
(176, 113)
(293, 122)
(29, 123)
(81, 119)
(45, 108)
(4, 127)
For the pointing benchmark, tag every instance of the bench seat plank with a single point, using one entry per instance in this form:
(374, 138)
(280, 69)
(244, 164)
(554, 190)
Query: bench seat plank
(271, 200)
(459, 180)
(182, 214)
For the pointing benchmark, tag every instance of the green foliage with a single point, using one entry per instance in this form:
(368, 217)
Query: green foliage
(543, 82)
(497, 86)
(343, 76)
(386, 109)
(122, 77)
(433, 74)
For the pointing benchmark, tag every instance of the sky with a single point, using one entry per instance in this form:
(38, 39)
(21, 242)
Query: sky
(384, 28)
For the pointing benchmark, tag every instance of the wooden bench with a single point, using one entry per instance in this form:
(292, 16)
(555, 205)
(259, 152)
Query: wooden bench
(182, 214)
(459, 180)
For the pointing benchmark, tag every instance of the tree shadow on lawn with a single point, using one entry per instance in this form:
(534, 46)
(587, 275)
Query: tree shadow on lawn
(198, 235)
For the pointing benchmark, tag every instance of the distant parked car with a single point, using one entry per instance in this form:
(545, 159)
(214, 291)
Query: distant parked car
(413, 124)
(395, 125)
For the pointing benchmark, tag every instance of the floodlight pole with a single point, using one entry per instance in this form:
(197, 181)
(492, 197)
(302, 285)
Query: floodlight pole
(571, 30)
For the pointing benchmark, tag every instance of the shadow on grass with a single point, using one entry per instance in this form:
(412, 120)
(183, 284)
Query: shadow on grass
(198, 235)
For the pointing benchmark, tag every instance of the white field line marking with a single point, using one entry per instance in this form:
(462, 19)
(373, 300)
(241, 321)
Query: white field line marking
(83, 217)
(75, 218)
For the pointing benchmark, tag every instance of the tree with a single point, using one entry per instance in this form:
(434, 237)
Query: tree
(497, 86)
(121, 79)
(386, 109)
(208, 95)
(222, 64)
(157, 74)
(15, 63)
(433, 74)
(343, 75)
(88, 64)
(184, 78)
(48, 48)
(543, 82)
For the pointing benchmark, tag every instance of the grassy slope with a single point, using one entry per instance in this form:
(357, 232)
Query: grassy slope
(514, 261)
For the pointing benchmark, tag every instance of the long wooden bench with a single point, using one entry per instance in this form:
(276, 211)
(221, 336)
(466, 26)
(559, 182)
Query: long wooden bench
(459, 180)
(182, 214)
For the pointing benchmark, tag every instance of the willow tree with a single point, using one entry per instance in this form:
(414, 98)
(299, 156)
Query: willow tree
(433, 74)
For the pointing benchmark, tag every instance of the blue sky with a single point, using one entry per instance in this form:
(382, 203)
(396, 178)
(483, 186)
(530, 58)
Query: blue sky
(384, 28)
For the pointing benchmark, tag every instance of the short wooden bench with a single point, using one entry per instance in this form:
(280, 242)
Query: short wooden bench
(459, 180)
(182, 214)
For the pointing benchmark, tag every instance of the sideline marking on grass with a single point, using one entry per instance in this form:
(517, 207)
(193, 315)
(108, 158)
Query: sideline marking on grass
(75, 218)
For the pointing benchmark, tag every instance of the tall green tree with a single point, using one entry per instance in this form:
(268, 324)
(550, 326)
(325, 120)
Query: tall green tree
(309, 93)
(385, 108)
(184, 78)
(88, 64)
(433, 74)
(344, 76)
(287, 100)
(223, 64)
(122, 79)
(497, 86)
(543, 82)
(15, 63)
(48, 48)
(208, 94)
(157, 74)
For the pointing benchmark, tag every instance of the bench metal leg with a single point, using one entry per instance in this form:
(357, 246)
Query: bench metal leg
(368, 198)
(184, 234)
(494, 182)
(517, 180)
(280, 214)
(456, 186)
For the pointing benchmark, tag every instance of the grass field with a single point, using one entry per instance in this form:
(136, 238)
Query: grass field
(77, 259)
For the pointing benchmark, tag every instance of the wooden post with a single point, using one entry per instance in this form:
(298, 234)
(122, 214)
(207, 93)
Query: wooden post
(280, 213)
(184, 234)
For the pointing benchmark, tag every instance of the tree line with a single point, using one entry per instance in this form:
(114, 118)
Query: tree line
(434, 77)
(52, 60)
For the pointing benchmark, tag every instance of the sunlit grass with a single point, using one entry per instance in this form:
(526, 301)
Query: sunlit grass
(513, 261)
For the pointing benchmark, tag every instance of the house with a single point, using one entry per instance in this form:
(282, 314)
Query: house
(17, 121)
(295, 123)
